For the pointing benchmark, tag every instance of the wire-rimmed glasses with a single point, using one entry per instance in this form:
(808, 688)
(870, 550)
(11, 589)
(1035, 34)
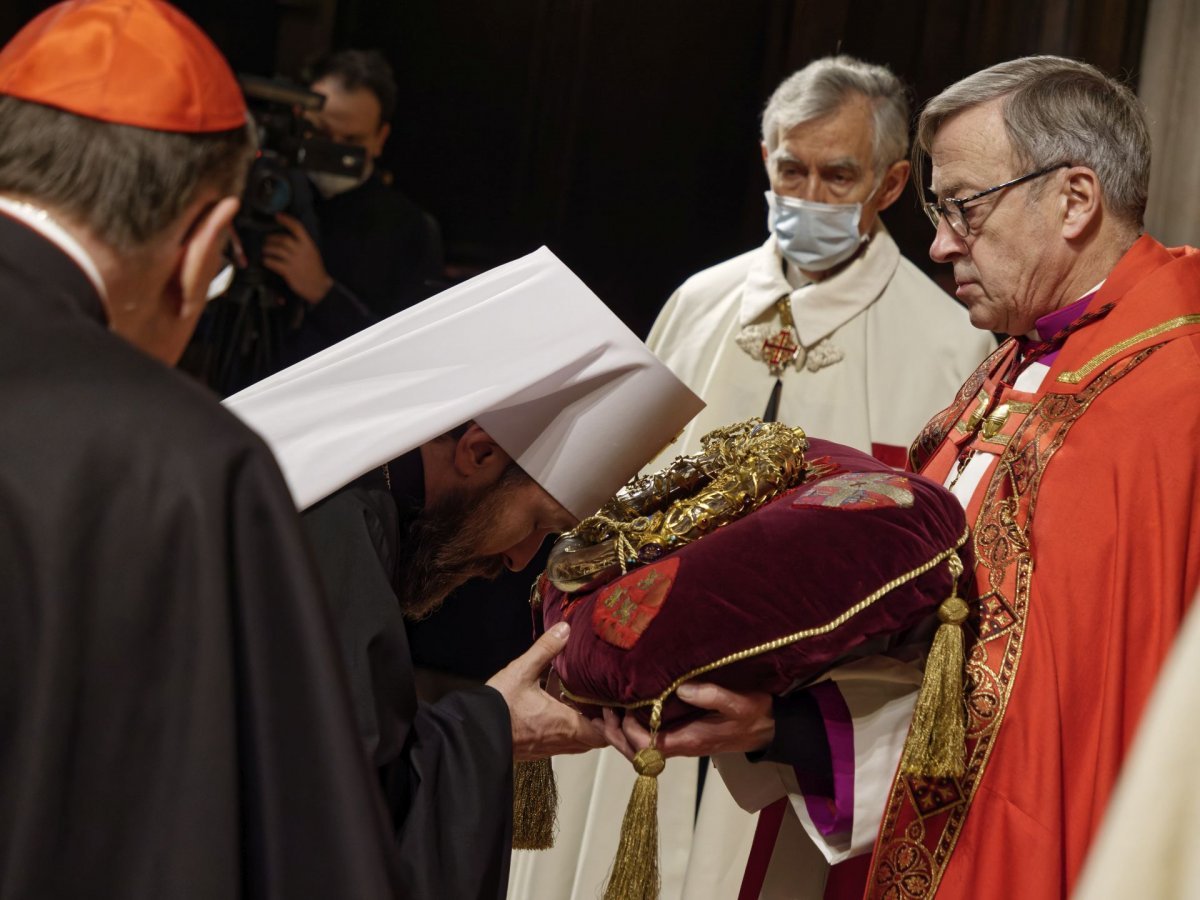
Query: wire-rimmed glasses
(954, 211)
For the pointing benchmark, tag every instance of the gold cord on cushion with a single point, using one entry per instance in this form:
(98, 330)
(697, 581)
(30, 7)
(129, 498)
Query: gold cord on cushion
(936, 742)
(740, 468)
(787, 640)
(535, 805)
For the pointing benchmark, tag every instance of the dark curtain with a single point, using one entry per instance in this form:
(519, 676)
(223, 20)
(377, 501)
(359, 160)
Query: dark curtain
(245, 30)
(624, 134)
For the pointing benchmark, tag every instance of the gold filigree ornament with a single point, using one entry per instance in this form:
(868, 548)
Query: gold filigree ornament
(740, 468)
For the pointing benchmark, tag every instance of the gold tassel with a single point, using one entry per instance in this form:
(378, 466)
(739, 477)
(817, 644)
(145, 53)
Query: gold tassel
(635, 870)
(535, 805)
(936, 744)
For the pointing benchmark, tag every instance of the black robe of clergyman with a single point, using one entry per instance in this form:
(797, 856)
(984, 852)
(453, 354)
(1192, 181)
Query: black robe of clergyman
(174, 721)
(446, 768)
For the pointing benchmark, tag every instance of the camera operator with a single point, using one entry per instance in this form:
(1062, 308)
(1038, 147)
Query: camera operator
(376, 252)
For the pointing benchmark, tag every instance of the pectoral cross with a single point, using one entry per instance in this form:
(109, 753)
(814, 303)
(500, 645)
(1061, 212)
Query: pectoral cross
(780, 349)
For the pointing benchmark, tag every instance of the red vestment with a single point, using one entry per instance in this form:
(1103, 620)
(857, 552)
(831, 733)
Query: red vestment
(1087, 540)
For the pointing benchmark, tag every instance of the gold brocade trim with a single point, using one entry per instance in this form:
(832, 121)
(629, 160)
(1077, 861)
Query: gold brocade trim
(924, 817)
(779, 643)
(936, 430)
(1099, 359)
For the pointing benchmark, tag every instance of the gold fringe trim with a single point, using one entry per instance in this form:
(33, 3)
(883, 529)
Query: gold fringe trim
(535, 805)
(779, 643)
(1101, 358)
(936, 742)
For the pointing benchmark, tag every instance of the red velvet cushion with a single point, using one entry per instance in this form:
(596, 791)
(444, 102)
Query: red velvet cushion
(797, 563)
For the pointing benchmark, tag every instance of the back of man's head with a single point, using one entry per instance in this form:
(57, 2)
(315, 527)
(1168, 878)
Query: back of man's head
(360, 69)
(824, 85)
(1057, 110)
(115, 114)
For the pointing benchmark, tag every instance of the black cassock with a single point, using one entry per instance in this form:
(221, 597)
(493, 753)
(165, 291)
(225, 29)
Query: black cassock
(446, 768)
(174, 721)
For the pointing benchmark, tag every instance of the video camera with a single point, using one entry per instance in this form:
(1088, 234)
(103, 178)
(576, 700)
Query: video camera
(288, 146)
(240, 337)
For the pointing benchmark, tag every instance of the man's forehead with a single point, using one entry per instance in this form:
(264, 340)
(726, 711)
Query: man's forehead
(356, 108)
(843, 135)
(970, 151)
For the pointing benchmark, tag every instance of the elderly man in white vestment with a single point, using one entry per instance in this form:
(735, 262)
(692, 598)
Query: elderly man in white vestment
(828, 327)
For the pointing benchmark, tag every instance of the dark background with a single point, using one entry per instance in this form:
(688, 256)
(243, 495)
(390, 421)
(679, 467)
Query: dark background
(623, 134)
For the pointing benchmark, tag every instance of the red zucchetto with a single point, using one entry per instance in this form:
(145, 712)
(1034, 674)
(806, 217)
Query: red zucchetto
(129, 62)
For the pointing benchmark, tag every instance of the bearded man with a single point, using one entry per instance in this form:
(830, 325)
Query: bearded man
(474, 424)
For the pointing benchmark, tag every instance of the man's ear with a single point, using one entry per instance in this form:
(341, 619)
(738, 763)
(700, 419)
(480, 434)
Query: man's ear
(1081, 198)
(892, 186)
(478, 458)
(200, 260)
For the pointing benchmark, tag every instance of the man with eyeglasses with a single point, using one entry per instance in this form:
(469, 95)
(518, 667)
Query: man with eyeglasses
(826, 326)
(1072, 448)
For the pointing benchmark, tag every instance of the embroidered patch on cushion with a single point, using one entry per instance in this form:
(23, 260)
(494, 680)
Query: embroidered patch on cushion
(625, 609)
(857, 490)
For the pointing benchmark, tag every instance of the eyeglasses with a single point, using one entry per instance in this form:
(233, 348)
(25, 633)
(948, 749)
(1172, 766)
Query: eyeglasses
(954, 211)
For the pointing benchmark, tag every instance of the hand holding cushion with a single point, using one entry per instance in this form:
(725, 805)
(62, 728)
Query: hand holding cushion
(735, 723)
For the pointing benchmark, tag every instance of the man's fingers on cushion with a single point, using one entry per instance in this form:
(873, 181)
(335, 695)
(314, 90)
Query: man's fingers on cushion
(707, 696)
(537, 658)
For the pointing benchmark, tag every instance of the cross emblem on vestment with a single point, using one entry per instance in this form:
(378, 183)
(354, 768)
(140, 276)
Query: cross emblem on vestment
(779, 350)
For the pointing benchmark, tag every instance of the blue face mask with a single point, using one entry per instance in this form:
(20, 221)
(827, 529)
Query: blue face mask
(814, 236)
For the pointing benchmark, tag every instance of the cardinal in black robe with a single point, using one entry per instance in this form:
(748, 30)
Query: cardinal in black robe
(174, 715)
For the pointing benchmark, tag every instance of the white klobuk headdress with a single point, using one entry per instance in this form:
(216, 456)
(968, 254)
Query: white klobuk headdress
(526, 350)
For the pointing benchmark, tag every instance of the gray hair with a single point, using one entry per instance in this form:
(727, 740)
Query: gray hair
(126, 185)
(820, 89)
(1057, 110)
